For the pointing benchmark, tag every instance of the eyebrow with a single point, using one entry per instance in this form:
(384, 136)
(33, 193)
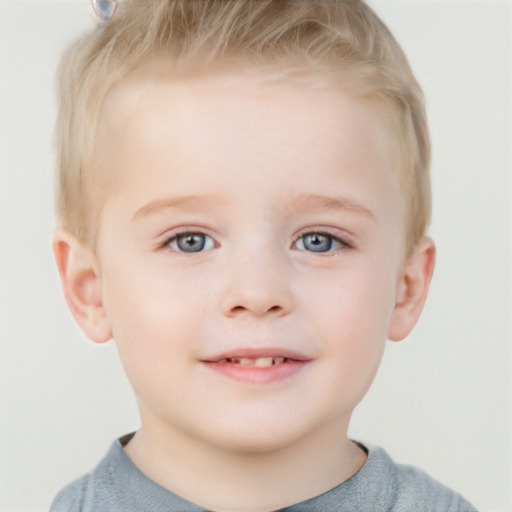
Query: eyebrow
(168, 203)
(301, 203)
(319, 202)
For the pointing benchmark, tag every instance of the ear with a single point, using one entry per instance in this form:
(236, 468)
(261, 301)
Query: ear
(412, 289)
(81, 283)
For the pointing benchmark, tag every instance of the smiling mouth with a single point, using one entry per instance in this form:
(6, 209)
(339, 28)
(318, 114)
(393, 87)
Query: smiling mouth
(260, 362)
(260, 358)
(258, 366)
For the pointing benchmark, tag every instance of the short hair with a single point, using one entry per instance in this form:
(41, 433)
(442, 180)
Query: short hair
(343, 36)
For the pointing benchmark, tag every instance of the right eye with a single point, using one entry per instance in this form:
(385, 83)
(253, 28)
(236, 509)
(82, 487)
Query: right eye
(190, 242)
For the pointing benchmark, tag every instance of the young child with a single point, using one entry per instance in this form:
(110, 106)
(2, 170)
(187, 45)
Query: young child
(242, 203)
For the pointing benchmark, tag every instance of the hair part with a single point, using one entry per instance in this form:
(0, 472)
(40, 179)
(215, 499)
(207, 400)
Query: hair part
(340, 37)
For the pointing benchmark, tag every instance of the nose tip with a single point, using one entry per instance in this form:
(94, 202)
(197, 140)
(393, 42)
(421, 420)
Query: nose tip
(257, 295)
(256, 281)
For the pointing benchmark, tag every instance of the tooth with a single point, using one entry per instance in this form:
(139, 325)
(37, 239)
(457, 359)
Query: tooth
(278, 360)
(264, 362)
(245, 361)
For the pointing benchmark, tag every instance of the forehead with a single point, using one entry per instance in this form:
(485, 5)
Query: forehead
(221, 96)
(193, 127)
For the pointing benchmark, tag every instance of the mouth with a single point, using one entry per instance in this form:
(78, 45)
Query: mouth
(258, 367)
(260, 362)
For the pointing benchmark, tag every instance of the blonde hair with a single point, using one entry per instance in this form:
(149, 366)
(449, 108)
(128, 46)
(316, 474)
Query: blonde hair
(337, 35)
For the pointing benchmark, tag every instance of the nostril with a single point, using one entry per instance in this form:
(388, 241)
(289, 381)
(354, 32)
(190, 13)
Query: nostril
(241, 309)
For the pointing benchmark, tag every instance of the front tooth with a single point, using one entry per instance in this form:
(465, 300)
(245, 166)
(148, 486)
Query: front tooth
(278, 360)
(264, 362)
(245, 361)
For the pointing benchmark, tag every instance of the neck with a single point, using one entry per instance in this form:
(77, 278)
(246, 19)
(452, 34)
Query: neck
(229, 480)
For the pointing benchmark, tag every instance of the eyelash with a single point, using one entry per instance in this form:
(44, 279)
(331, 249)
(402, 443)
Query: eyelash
(343, 244)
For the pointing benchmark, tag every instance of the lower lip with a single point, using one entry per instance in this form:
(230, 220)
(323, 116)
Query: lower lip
(256, 375)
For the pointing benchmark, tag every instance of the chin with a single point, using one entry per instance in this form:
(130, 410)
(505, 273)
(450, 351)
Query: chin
(256, 444)
(258, 437)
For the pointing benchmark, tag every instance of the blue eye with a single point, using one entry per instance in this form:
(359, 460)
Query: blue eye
(191, 242)
(318, 242)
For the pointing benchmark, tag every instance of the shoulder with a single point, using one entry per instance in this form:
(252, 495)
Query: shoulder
(95, 491)
(117, 485)
(383, 485)
(71, 498)
(85, 494)
(410, 488)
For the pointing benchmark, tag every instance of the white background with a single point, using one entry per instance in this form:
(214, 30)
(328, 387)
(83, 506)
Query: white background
(442, 399)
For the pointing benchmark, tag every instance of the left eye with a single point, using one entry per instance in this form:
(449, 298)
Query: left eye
(191, 242)
(318, 242)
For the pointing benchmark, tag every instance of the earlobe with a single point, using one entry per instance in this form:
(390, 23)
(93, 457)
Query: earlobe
(412, 290)
(81, 285)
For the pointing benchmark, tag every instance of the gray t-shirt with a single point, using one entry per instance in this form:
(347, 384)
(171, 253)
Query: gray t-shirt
(116, 485)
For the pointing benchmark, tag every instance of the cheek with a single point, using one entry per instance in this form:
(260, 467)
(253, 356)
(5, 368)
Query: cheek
(147, 313)
(155, 314)
(152, 330)
(358, 298)
(146, 293)
(351, 311)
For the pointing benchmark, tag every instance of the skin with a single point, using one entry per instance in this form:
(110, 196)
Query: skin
(251, 165)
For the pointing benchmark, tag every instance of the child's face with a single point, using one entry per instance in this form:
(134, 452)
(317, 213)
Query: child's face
(295, 245)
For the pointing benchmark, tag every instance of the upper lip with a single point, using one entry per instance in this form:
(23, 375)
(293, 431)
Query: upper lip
(256, 353)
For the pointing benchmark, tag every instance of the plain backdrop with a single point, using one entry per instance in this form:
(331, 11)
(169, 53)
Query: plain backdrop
(442, 399)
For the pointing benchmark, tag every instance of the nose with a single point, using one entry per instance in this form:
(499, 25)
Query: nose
(258, 285)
